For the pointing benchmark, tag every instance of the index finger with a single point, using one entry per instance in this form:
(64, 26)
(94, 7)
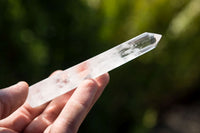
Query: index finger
(79, 105)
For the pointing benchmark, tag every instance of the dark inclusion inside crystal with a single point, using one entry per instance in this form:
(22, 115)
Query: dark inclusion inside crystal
(145, 41)
(140, 43)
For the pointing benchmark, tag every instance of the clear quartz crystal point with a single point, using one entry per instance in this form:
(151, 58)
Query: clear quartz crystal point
(69, 79)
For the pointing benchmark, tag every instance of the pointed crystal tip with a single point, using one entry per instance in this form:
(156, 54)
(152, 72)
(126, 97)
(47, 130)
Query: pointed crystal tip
(158, 37)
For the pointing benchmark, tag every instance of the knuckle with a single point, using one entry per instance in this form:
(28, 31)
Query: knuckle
(81, 105)
(50, 114)
(91, 83)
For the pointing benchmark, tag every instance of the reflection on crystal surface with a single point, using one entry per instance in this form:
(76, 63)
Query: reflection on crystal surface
(69, 79)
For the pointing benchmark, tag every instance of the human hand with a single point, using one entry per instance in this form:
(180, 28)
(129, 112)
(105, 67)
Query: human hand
(62, 115)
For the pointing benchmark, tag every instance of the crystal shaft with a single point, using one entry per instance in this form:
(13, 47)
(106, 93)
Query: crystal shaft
(69, 79)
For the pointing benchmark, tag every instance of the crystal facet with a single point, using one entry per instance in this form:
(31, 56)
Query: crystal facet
(69, 79)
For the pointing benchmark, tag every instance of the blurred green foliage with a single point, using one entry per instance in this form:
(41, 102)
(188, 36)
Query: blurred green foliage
(38, 37)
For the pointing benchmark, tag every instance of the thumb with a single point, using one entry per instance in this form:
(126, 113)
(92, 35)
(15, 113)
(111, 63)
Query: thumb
(12, 97)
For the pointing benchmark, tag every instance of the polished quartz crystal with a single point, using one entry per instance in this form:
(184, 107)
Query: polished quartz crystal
(69, 79)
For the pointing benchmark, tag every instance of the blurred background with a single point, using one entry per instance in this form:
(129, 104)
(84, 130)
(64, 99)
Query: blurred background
(158, 92)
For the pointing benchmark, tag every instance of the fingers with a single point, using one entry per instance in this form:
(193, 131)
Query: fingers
(71, 116)
(23, 116)
(40, 123)
(6, 130)
(12, 97)
(79, 104)
(76, 108)
(102, 81)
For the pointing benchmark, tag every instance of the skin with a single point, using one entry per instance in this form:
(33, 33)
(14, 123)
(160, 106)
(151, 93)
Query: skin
(62, 115)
